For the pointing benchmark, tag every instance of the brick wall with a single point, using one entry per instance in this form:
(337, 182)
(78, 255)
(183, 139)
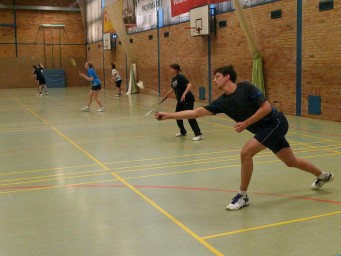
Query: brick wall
(53, 47)
(321, 60)
(321, 57)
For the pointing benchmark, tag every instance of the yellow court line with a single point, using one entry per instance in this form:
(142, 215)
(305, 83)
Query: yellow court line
(151, 202)
(46, 179)
(227, 157)
(270, 225)
(130, 171)
(53, 187)
(47, 169)
(168, 215)
(315, 137)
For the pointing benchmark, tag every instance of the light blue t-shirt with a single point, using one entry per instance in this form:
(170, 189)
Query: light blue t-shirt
(92, 73)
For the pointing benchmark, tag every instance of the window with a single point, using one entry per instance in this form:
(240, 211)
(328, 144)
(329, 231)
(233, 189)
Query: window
(94, 20)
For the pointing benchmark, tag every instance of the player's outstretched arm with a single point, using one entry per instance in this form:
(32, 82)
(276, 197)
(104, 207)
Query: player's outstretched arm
(187, 114)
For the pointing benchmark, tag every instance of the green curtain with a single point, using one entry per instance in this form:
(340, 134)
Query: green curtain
(257, 67)
(257, 73)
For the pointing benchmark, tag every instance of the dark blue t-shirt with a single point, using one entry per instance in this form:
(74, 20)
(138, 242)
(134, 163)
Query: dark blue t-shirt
(242, 104)
(179, 85)
(39, 73)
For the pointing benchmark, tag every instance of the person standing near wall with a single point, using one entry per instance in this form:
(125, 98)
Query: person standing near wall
(42, 83)
(39, 75)
(95, 86)
(247, 106)
(117, 79)
(185, 101)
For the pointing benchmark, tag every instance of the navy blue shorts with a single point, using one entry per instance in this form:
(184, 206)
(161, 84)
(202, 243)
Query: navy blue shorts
(96, 87)
(118, 83)
(41, 81)
(273, 135)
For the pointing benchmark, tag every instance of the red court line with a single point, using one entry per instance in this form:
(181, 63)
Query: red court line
(234, 191)
(179, 188)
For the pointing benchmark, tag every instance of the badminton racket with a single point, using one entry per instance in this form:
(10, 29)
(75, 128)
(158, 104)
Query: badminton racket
(153, 109)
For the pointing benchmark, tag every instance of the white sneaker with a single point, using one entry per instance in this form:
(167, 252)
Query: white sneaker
(199, 137)
(102, 109)
(86, 109)
(317, 184)
(239, 201)
(179, 134)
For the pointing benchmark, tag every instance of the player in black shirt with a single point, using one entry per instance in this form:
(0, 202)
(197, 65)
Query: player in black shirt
(185, 101)
(246, 105)
(38, 72)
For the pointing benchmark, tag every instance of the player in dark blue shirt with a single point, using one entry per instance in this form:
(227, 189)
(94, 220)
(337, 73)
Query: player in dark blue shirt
(185, 101)
(39, 74)
(246, 105)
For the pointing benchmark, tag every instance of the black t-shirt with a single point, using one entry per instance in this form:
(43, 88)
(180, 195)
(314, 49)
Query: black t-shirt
(242, 104)
(39, 73)
(179, 85)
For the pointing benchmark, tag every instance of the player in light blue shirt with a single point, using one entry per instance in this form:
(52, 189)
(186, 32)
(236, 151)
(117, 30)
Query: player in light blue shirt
(95, 86)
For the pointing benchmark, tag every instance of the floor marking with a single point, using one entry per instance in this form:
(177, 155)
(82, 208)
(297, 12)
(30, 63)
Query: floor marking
(270, 225)
(152, 203)
(323, 133)
(93, 184)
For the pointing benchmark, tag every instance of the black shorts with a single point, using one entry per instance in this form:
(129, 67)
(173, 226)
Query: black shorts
(118, 83)
(96, 87)
(273, 135)
(41, 81)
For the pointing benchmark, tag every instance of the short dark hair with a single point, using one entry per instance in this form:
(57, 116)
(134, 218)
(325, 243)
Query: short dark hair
(175, 66)
(113, 66)
(227, 70)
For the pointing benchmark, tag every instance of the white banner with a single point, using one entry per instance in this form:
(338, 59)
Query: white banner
(147, 6)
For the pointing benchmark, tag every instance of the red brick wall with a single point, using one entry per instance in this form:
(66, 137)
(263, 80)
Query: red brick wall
(321, 59)
(51, 46)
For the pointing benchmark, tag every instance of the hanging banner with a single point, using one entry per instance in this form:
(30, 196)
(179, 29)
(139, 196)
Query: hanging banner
(217, 1)
(147, 6)
(107, 24)
(128, 13)
(182, 6)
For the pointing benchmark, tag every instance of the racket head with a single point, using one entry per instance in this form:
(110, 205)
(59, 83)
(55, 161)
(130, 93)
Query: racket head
(73, 62)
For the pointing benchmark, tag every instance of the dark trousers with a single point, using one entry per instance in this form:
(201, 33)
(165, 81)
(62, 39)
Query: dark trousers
(180, 106)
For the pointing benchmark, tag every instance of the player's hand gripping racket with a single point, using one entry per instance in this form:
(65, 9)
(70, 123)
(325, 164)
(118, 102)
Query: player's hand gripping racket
(153, 109)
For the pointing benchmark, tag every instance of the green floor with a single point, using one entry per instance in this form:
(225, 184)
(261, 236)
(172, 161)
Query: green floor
(118, 183)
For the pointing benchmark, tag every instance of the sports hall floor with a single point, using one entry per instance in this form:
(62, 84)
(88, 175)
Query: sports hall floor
(119, 183)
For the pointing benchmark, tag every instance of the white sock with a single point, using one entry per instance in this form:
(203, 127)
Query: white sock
(322, 176)
(242, 192)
